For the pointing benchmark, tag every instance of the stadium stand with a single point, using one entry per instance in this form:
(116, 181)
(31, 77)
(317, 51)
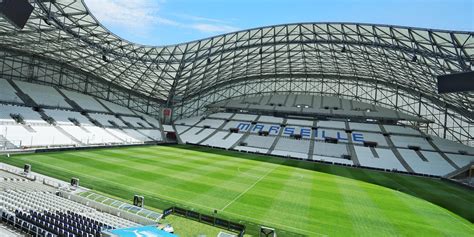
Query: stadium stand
(29, 206)
(107, 120)
(7, 93)
(115, 108)
(84, 101)
(389, 147)
(43, 95)
(62, 118)
(292, 148)
(211, 123)
(378, 158)
(196, 134)
(223, 140)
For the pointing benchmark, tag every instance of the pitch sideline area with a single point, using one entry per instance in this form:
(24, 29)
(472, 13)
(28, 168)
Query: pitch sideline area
(287, 194)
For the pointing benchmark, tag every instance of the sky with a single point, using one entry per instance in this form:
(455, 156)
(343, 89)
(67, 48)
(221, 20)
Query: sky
(165, 22)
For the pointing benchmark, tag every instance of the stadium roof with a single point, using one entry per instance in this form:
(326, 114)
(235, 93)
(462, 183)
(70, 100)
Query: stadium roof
(65, 33)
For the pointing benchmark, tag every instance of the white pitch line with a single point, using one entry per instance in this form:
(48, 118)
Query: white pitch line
(251, 186)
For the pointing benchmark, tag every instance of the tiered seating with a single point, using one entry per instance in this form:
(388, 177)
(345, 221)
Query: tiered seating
(212, 123)
(48, 136)
(406, 141)
(155, 134)
(136, 135)
(332, 124)
(330, 150)
(21, 126)
(306, 123)
(400, 130)
(461, 160)
(256, 143)
(234, 124)
(29, 115)
(122, 135)
(453, 147)
(384, 159)
(83, 134)
(270, 119)
(351, 138)
(364, 127)
(62, 117)
(434, 163)
(181, 129)
(7, 93)
(221, 115)
(40, 136)
(101, 136)
(292, 147)
(136, 122)
(245, 117)
(196, 134)
(84, 101)
(117, 108)
(35, 207)
(149, 119)
(189, 121)
(223, 139)
(105, 119)
(372, 137)
(43, 95)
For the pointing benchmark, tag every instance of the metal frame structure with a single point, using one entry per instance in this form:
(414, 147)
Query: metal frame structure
(395, 67)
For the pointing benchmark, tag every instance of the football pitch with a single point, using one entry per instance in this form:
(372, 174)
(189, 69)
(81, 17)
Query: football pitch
(298, 198)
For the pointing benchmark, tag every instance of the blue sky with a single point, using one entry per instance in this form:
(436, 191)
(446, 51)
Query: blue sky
(162, 22)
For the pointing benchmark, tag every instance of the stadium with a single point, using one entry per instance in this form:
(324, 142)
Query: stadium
(308, 129)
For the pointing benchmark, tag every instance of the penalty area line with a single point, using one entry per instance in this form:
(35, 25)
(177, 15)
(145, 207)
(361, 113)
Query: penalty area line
(248, 189)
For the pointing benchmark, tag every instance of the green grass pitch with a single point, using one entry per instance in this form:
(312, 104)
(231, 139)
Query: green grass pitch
(298, 198)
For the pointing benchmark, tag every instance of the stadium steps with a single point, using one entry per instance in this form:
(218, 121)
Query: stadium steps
(28, 128)
(246, 134)
(350, 146)
(103, 105)
(72, 103)
(113, 135)
(220, 128)
(275, 142)
(60, 129)
(311, 143)
(395, 151)
(151, 139)
(459, 170)
(23, 96)
(189, 127)
(430, 141)
(149, 124)
(5, 143)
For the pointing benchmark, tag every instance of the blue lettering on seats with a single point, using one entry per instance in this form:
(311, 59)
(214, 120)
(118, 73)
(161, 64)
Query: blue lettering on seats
(289, 131)
(275, 129)
(243, 126)
(306, 132)
(258, 127)
(339, 137)
(357, 137)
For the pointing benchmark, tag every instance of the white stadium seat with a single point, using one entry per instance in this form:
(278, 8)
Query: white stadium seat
(43, 95)
(84, 101)
(8, 93)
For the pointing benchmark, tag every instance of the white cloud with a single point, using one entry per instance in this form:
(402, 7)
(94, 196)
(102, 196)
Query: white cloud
(214, 28)
(136, 14)
(200, 18)
(141, 17)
